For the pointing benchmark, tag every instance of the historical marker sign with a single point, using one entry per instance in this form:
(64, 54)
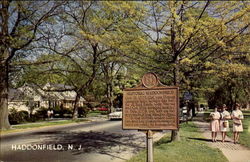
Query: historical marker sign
(151, 106)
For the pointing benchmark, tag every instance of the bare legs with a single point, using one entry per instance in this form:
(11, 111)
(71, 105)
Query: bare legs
(223, 136)
(236, 137)
(214, 135)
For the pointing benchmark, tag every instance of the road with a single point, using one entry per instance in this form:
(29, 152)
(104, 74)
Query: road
(86, 142)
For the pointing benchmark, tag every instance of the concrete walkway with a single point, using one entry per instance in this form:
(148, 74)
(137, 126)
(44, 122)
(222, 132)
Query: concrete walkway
(233, 152)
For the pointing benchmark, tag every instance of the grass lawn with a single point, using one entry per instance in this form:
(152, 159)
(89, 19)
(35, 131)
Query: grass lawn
(94, 113)
(20, 127)
(189, 149)
(245, 135)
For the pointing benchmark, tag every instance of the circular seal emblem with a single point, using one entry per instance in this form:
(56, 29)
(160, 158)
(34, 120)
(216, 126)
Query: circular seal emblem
(150, 80)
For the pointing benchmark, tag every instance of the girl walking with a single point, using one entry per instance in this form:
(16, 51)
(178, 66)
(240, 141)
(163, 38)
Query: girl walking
(224, 124)
(237, 116)
(214, 125)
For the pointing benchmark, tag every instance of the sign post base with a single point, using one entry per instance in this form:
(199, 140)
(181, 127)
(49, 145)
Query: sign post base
(150, 157)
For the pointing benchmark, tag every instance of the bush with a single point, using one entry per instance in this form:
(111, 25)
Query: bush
(91, 105)
(83, 111)
(24, 114)
(17, 117)
(104, 112)
(41, 113)
(33, 118)
(59, 111)
(67, 111)
(63, 112)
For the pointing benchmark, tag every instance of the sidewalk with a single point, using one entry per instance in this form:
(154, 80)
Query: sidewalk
(233, 152)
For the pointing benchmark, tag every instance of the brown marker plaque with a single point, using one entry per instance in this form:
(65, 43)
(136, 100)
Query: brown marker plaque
(154, 108)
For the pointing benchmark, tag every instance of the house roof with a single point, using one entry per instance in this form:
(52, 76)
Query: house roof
(29, 91)
(16, 94)
(51, 86)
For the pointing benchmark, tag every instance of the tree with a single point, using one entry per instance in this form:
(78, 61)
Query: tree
(19, 27)
(233, 81)
(87, 51)
(110, 70)
(181, 37)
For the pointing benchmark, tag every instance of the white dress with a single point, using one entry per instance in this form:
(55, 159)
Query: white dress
(237, 127)
(224, 128)
(214, 125)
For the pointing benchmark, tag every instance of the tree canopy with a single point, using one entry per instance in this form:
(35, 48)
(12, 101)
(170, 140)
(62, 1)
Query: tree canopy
(100, 48)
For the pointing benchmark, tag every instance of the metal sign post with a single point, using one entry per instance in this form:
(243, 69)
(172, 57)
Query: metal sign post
(150, 150)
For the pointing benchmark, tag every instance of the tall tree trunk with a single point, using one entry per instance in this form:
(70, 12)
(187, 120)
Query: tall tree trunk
(4, 71)
(61, 109)
(231, 98)
(4, 121)
(107, 70)
(175, 134)
(111, 101)
(110, 96)
(76, 105)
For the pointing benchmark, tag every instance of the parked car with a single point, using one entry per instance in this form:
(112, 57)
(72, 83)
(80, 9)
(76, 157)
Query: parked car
(183, 114)
(102, 109)
(116, 115)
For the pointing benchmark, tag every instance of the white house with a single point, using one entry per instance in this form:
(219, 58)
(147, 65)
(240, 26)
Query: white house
(30, 96)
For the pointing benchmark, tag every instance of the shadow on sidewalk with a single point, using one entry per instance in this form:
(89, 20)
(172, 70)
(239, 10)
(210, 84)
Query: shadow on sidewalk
(208, 140)
(201, 139)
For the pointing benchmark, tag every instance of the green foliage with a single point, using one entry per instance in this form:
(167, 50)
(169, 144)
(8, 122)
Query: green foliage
(101, 48)
(232, 82)
(17, 117)
(67, 113)
(83, 111)
(41, 113)
(42, 74)
(94, 113)
(200, 44)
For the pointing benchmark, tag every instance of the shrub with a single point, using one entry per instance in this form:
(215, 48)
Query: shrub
(17, 117)
(104, 112)
(83, 111)
(67, 111)
(41, 113)
(58, 110)
(24, 115)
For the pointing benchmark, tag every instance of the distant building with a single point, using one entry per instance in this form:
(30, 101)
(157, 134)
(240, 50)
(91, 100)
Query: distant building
(30, 96)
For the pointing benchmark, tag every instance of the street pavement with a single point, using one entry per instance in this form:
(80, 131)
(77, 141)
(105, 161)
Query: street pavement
(81, 142)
